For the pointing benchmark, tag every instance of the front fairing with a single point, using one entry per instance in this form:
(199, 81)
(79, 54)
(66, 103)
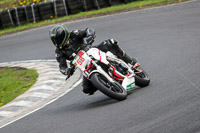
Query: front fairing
(98, 55)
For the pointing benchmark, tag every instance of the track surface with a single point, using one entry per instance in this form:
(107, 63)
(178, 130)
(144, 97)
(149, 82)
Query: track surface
(166, 41)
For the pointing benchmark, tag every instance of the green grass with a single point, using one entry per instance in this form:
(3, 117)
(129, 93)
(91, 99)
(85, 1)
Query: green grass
(14, 82)
(109, 10)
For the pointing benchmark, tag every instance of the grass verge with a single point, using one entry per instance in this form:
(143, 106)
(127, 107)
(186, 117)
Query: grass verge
(136, 5)
(14, 81)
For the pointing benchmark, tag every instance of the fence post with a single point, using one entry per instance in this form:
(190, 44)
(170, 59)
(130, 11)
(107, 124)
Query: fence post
(10, 17)
(34, 19)
(26, 13)
(97, 4)
(55, 9)
(17, 16)
(66, 12)
(84, 4)
(110, 2)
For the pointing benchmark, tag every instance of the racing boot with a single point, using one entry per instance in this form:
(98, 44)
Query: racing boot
(112, 46)
(122, 55)
(128, 59)
(133, 62)
(88, 87)
(136, 66)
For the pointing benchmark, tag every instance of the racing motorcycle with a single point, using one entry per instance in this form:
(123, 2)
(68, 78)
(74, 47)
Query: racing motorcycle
(109, 74)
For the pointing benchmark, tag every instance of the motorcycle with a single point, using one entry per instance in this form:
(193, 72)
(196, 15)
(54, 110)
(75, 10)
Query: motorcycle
(109, 74)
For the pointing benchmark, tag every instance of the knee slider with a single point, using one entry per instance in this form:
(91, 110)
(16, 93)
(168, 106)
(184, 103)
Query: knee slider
(112, 43)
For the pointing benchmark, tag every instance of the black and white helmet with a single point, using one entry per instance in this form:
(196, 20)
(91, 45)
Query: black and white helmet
(59, 36)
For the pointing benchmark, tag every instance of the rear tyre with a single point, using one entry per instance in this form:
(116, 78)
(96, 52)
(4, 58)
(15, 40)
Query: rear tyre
(113, 90)
(142, 79)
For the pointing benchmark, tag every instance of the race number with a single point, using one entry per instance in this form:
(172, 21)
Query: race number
(80, 60)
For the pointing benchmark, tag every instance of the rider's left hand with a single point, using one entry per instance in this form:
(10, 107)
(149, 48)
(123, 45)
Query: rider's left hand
(90, 39)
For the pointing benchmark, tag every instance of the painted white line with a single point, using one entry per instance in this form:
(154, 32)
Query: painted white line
(75, 85)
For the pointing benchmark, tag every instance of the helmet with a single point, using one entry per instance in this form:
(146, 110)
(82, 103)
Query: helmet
(59, 36)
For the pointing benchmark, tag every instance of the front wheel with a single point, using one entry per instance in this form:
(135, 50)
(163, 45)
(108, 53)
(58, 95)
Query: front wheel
(113, 90)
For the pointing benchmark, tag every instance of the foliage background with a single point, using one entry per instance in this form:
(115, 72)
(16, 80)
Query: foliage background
(8, 4)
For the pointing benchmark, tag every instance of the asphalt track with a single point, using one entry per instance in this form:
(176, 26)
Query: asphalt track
(166, 41)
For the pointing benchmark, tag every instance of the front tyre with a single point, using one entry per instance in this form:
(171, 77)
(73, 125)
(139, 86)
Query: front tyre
(113, 90)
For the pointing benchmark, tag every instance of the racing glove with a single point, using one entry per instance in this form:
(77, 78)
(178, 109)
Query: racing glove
(90, 39)
(90, 33)
(69, 72)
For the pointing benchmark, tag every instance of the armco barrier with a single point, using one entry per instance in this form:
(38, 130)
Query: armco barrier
(116, 2)
(88, 5)
(32, 13)
(29, 13)
(102, 3)
(18, 15)
(6, 19)
(36, 12)
(60, 8)
(46, 10)
(55, 8)
(74, 6)
(0, 24)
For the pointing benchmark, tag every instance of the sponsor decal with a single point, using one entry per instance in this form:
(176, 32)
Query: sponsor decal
(130, 86)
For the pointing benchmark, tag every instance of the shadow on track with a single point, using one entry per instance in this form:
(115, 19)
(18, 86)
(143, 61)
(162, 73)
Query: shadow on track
(98, 100)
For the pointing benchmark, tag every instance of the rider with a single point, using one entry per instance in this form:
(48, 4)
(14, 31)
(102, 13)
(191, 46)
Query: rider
(68, 43)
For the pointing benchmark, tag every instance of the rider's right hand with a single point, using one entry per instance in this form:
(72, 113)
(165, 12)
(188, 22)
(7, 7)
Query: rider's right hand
(69, 72)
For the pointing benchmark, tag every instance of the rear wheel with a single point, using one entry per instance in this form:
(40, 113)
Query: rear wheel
(142, 79)
(113, 90)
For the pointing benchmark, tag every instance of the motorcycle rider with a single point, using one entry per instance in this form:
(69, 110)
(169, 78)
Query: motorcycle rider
(68, 43)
